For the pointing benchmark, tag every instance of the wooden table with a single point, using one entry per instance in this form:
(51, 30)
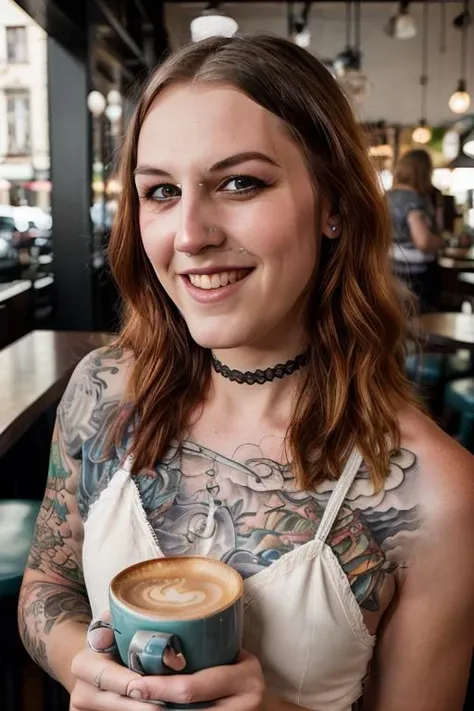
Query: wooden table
(446, 329)
(34, 372)
(457, 258)
(459, 252)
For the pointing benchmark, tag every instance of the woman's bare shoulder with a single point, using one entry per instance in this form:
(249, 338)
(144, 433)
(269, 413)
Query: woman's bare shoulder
(96, 389)
(445, 469)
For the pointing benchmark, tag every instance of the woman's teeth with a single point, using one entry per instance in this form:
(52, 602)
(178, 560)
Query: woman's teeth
(215, 281)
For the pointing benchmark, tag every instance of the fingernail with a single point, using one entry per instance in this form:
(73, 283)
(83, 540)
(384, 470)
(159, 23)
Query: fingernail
(136, 694)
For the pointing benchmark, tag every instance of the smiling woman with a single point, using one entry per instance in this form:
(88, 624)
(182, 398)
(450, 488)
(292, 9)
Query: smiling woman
(254, 410)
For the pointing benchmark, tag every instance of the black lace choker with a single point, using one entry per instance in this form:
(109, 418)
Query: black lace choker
(258, 377)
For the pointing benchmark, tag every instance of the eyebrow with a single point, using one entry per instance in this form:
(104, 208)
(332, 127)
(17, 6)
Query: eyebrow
(223, 164)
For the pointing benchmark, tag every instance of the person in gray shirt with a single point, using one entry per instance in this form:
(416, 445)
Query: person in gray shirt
(416, 239)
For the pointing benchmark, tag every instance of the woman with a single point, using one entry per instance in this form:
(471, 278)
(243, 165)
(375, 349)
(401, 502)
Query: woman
(258, 381)
(416, 239)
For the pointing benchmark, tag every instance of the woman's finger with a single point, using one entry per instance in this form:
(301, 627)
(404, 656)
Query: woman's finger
(86, 698)
(100, 635)
(205, 685)
(101, 672)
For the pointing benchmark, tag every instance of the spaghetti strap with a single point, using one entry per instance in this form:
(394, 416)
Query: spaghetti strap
(339, 494)
(127, 464)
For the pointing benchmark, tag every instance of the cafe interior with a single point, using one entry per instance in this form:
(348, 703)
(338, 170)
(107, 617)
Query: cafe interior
(408, 70)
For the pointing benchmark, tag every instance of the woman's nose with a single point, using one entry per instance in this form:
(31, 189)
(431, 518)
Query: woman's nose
(196, 230)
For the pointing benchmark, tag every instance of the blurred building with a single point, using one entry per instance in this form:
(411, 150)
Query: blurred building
(24, 144)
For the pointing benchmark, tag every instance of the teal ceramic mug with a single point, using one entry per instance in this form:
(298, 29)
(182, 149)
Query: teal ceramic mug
(190, 605)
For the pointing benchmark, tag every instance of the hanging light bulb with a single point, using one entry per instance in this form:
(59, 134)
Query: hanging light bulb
(302, 38)
(402, 26)
(96, 103)
(468, 145)
(300, 32)
(212, 23)
(460, 100)
(422, 133)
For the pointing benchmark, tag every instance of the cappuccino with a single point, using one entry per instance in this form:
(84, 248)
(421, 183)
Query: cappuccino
(183, 588)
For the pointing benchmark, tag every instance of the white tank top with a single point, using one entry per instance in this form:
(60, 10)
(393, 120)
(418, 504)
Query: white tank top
(301, 617)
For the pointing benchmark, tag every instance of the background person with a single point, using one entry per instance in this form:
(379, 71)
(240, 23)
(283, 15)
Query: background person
(415, 234)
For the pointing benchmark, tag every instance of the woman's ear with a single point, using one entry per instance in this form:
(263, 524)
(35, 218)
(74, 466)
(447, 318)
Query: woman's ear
(333, 227)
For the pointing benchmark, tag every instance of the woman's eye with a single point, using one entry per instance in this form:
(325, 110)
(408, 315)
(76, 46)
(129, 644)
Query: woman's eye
(242, 184)
(167, 191)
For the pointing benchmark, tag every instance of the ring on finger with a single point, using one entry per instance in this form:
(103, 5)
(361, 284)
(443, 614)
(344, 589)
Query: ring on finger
(99, 625)
(98, 678)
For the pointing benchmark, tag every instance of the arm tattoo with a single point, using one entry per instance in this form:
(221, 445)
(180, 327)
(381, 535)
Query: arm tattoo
(52, 549)
(42, 606)
(56, 548)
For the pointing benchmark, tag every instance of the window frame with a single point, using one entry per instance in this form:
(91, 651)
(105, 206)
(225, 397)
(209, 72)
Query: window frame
(17, 29)
(18, 92)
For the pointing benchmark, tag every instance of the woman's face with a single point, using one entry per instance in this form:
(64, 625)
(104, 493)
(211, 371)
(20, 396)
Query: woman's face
(227, 216)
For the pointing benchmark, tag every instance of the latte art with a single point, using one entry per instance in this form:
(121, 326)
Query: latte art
(178, 588)
(175, 597)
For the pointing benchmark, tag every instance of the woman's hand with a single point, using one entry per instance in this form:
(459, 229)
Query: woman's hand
(104, 685)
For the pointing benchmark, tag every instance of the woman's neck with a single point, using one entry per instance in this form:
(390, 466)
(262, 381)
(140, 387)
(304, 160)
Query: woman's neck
(272, 398)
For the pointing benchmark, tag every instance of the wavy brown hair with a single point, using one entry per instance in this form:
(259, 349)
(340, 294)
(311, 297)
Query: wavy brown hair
(414, 168)
(354, 383)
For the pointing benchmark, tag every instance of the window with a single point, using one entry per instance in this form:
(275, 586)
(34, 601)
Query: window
(16, 45)
(18, 122)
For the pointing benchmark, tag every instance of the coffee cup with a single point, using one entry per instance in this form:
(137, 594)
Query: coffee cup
(188, 605)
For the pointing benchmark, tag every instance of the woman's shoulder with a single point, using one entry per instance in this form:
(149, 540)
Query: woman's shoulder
(406, 198)
(444, 485)
(96, 388)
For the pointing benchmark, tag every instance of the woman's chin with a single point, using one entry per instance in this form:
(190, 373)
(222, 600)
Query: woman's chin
(222, 338)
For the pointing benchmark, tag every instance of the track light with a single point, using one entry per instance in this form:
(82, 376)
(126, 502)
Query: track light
(212, 22)
(402, 26)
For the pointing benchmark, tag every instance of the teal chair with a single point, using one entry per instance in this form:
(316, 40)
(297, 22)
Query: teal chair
(17, 524)
(425, 368)
(459, 397)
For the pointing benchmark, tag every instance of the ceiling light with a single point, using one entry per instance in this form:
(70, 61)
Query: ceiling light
(460, 100)
(212, 23)
(298, 25)
(96, 103)
(346, 61)
(422, 133)
(302, 38)
(468, 145)
(402, 26)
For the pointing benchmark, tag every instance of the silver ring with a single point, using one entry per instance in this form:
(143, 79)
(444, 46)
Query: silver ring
(97, 679)
(99, 625)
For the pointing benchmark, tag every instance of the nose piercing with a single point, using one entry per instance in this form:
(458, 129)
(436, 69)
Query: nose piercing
(241, 250)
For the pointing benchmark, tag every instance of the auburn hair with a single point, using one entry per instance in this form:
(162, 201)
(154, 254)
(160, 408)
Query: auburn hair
(354, 383)
(414, 168)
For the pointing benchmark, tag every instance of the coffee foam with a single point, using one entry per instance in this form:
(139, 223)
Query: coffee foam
(178, 588)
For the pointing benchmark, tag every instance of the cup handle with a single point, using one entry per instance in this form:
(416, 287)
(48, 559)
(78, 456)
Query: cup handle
(146, 653)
